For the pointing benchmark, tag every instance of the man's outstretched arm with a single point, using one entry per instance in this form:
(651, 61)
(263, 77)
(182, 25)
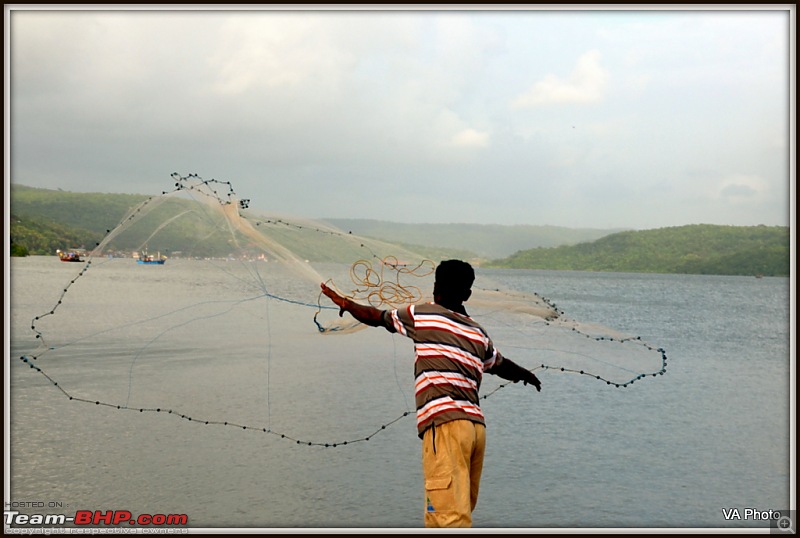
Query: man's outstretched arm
(511, 371)
(368, 315)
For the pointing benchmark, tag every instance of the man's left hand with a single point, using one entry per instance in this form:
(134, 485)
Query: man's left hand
(533, 380)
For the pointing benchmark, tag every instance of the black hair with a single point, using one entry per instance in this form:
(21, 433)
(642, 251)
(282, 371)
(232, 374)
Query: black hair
(454, 280)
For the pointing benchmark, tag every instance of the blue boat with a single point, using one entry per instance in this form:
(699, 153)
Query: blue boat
(149, 259)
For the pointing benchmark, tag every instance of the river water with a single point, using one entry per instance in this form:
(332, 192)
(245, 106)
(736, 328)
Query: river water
(676, 451)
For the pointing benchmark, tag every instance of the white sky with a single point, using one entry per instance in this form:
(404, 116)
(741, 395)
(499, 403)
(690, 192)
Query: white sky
(617, 118)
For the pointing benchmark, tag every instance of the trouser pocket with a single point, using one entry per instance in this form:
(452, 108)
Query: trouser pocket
(438, 494)
(440, 502)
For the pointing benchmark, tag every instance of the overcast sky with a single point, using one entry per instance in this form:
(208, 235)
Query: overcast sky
(599, 119)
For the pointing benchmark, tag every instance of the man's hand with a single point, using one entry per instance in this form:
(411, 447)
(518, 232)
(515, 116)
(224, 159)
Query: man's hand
(533, 380)
(508, 369)
(366, 314)
(338, 300)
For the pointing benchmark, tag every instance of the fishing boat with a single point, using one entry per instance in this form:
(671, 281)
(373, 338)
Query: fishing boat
(148, 259)
(69, 255)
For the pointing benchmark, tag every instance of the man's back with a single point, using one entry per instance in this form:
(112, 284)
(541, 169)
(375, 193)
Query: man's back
(452, 352)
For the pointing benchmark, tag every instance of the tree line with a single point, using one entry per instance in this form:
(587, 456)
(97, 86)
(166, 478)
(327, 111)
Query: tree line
(690, 249)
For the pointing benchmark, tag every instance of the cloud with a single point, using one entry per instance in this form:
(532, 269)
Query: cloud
(586, 85)
(470, 138)
(741, 188)
(297, 107)
(287, 51)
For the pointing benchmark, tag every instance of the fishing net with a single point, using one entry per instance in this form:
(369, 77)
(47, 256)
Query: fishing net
(198, 308)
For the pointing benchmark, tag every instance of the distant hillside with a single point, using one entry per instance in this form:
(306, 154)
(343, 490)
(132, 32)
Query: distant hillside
(44, 220)
(43, 236)
(80, 218)
(95, 212)
(484, 240)
(692, 249)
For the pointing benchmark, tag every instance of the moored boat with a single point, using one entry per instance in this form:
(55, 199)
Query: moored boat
(69, 255)
(148, 259)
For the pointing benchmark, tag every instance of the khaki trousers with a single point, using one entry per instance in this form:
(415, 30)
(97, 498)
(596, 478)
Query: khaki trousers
(452, 462)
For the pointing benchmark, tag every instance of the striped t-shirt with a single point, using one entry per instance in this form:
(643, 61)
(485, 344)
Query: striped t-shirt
(451, 354)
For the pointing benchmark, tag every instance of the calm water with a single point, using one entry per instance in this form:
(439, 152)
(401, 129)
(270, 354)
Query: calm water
(674, 451)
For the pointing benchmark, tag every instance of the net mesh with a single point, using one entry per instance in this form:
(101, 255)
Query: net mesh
(229, 326)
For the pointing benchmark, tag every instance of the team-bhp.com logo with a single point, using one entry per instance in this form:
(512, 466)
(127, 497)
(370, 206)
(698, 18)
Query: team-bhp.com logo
(95, 517)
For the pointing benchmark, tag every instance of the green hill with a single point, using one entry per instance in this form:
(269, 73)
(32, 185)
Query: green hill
(692, 249)
(30, 235)
(94, 212)
(44, 220)
(481, 240)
